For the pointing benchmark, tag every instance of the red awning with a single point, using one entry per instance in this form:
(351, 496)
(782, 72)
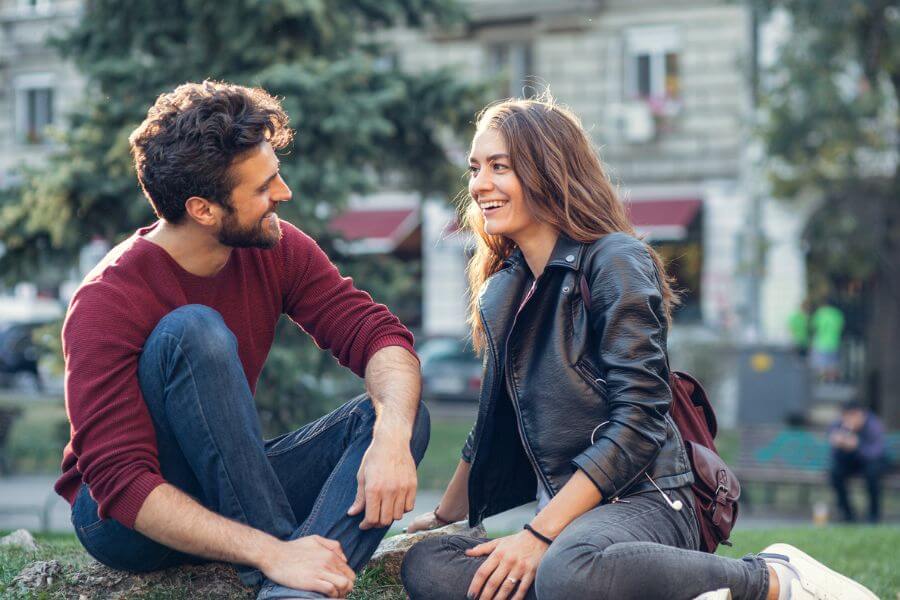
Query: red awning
(663, 219)
(373, 230)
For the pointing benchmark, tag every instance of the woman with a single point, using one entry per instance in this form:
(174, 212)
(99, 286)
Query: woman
(574, 403)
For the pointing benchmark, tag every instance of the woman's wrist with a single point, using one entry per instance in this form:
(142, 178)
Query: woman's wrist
(440, 519)
(534, 532)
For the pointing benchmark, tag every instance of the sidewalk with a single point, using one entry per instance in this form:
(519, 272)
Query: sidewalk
(35, 490)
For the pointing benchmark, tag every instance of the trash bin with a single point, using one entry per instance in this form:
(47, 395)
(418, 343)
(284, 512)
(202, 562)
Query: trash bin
(773, 385)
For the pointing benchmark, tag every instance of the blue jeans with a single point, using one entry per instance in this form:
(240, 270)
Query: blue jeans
(210, 446)
(636, 549)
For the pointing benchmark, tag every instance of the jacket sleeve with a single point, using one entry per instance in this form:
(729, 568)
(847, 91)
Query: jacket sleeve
(627, 318)
(468, 451)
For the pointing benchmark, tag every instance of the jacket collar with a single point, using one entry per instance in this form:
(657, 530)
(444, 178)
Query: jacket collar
(566, 253)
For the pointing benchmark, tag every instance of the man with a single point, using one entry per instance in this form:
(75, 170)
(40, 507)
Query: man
(164, 342)
(857, 447)
(827, 323)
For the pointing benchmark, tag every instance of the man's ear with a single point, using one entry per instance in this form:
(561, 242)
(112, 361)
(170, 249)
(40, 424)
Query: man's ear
(202, 211)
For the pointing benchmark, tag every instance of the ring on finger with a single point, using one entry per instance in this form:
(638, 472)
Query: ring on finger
(512, 580)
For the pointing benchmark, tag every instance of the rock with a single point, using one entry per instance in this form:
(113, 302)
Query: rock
(20, 538)
(94, 580)
(38, 575)
(391, 551)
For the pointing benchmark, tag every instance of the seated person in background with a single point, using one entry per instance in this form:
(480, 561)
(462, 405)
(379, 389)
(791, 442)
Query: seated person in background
(857, 442)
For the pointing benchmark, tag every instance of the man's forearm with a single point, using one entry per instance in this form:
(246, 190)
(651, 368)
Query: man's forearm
(174, 519)
(394, 383)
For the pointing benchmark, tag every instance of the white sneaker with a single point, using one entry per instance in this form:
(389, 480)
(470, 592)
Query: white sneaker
(723, 594)
(814, 580)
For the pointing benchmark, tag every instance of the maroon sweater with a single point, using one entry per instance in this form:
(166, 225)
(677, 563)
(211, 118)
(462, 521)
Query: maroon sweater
(113, 442)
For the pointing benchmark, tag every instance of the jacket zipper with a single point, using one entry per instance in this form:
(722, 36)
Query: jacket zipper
(515, 399)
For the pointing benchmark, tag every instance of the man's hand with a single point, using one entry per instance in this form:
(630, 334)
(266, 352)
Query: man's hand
(386, 484)
(310, 563)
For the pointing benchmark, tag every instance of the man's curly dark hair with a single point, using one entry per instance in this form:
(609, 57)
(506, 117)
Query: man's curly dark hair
(191, 137)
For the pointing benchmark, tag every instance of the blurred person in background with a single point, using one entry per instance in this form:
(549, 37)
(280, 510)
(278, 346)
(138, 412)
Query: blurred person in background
(857, 448)
(164, 342)
(798, 326)
(574, 405)
(826, 326)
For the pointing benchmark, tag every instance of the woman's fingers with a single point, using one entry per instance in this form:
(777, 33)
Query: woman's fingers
(500, 584)
(483, 549)
(524, 585)
(481, 576)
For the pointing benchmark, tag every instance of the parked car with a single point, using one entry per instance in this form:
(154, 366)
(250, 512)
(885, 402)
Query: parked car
(451, 371)
(19, 356)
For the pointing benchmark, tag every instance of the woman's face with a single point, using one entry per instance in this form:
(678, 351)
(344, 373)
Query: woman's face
(496, 189)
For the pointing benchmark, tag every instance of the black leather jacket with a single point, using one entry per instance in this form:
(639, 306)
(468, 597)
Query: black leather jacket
(565, 387)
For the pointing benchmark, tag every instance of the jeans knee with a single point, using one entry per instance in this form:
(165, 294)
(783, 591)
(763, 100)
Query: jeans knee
(417, 570)
(421, 433)
(199, 329)
(560, 576)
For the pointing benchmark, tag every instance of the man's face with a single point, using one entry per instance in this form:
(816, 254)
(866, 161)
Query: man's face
(250, 220)
(854, 419)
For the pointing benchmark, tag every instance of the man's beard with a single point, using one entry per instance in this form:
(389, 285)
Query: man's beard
(265, 233)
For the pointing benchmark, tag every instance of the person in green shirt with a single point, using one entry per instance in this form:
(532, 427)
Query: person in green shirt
(827, 325)
(798, 325)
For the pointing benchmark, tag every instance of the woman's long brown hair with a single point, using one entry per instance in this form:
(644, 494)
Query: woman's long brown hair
(563, 182)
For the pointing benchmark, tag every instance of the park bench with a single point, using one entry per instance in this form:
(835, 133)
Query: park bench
(773, 456)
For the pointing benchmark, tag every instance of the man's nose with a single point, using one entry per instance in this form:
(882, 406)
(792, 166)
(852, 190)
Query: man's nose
(283, 192)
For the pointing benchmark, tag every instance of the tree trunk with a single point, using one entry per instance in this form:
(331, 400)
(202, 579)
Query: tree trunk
(883, 356)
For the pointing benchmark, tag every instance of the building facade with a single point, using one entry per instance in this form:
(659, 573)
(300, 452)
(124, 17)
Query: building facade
(37, 86)
(664, 88)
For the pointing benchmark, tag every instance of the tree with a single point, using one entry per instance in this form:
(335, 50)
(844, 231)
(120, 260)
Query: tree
(832, 126)
(357, 118)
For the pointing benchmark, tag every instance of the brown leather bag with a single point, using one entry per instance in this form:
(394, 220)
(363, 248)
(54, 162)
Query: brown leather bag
(716, 489)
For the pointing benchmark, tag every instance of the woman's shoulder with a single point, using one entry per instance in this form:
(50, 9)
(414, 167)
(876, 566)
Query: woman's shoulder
(617, 248)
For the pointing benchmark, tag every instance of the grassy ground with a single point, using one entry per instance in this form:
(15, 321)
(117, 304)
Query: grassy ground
(864, 553)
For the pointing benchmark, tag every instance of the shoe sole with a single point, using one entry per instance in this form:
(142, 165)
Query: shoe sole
(722, 594)
(839, 586)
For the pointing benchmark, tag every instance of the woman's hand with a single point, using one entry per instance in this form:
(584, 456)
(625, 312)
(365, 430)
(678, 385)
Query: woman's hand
(424, 522)
(510, 568)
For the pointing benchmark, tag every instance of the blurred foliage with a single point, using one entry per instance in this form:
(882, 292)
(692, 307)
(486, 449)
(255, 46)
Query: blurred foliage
(831, 123)
(360, 120)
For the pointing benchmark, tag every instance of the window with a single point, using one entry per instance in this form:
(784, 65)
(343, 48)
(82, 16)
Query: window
(34, 6)
(652, 65)
(511, 61)
(34, 107)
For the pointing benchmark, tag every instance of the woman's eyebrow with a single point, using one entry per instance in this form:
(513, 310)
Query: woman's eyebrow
(490, 158)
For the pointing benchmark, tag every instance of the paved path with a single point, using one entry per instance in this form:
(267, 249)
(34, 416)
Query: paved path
(35, 490)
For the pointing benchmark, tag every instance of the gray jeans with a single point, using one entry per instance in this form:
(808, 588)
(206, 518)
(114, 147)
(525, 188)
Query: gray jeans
(638, 548)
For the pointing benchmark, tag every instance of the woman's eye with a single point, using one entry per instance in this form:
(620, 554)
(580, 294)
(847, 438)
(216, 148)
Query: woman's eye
(472, 169)
(499, 166)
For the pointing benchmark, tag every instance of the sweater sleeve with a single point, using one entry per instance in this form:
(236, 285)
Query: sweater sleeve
(113, 438)
(339, 317)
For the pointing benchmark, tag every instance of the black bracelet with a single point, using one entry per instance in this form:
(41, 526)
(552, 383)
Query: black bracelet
(537, 534)
(439, 518)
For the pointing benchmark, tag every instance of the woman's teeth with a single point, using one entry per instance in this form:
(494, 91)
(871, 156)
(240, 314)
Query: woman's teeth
(487, 205)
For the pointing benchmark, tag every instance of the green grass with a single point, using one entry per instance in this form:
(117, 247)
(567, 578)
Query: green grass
(442, 456)
(866, 554)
